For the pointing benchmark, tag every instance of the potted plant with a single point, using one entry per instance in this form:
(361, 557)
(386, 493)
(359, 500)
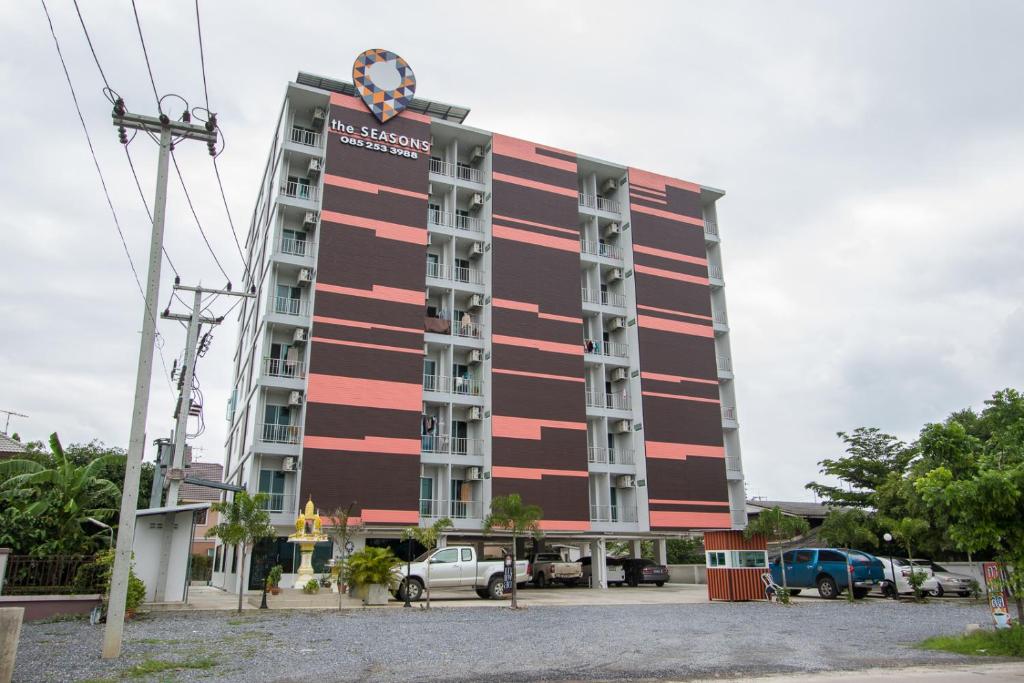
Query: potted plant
(274, 579)
(372, 572)
(312, 586)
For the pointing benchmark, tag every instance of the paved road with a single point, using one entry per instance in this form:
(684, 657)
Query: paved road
(654, 642)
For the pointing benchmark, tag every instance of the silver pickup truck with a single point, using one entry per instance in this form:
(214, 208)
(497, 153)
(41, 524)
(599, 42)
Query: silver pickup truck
(548, 568)
(456, 567)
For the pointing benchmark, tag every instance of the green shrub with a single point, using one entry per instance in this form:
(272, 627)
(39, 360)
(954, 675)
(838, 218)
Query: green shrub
(97, 573)
(372, 566)
(200, 568)
(274, 576)
(312, 586)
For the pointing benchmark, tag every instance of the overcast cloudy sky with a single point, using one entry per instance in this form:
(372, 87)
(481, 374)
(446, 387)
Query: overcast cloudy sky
(873, 155)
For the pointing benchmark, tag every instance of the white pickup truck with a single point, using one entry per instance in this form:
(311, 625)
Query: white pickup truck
(457, 567)
(548, 568)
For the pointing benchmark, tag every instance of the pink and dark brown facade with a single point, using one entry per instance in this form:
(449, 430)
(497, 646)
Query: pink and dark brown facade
(447, 315)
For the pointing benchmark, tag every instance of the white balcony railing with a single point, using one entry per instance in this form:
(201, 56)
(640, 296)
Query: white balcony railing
(729, 413)
(289, 306)
(606, 348)
(715, 271)
(299, 190)
(721, 318)
(305, 137)
(444, 271)
(604, 298)
(710, 228)
(593, 202)
(275, 433)
(600, 249)
(279, 367)
(466, 509)
(613, 456)
(290, 245)
(439, 271)
(597, 454)
(458, 221)
(463, 386)
(460, 171)
(446, 445)
(432, 508)
(613, 401)
(467, 329)
(612, 513)
(279, 502)
(724, 364)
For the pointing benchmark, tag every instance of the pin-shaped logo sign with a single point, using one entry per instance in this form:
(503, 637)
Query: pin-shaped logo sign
(385, 82)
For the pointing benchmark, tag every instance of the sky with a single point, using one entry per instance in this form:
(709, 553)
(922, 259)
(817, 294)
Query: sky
(872, 154)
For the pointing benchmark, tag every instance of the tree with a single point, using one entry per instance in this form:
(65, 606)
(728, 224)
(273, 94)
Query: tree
(685, 551)
(56, 496)
(871, 457)
(243, 521)
(427, 537)
(908, 531)
(340, 532)
(846, 529)
(776, 526)
(509, 513)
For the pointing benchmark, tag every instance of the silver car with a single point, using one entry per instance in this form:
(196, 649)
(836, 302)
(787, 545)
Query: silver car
(949, 582)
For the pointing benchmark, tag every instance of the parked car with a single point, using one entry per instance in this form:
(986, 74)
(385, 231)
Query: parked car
(902, 578)
(549, 568)
(614, 571)
(639, 571)
(948, 582)
(825, 569)
(457, 567)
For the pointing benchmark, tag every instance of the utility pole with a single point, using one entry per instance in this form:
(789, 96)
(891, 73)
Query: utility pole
(9, 413)
(165, 128)
(176, 468)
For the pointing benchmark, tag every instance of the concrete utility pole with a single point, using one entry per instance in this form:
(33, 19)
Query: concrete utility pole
(176, 468)
(165, 128)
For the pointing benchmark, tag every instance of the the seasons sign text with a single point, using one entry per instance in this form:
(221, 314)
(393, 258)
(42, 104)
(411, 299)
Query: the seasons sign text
(378, 140)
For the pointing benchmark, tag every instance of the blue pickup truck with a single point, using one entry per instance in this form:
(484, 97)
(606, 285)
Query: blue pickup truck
(825, 569)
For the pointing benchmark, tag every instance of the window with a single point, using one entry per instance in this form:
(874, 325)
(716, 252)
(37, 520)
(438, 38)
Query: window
(804, 556)
(200, 517)
(613, 500)
(293, 242)
(830, 556)
(426, 495)
(748, 558)
(716, 559)
(446, 556)
(467, 555)
(460, 441)
(272, 483)
(462, 270)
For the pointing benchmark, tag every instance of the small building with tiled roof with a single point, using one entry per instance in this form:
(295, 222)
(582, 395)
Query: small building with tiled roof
(193, 493)
(9, 447)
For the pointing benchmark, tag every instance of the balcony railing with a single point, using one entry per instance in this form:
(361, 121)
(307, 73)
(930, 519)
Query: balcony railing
(724, 364)
(612, 513)
(290, 245)
(305, 137)
(721, 318)
(275, 433)
(604, 298)
(614, 401)
(591, 202)
(446, 445)
(466, 509)
(458, 221)
(606, 348)
(299, 190)
(612, 456)
(279, 367)
(444, 271)
(600, 249)
(432, 508)
(710, 228)
(279, 502)
(729, 413)
(462, 386)
(470, 330)
(715, 271)
(288, 306)
(459, 171)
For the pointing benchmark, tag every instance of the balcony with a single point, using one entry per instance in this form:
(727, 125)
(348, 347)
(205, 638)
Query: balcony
(308, 138)
(606, 348)
(468, 330)
(446, 219)
(460, 171)
(711, 231)
(288, 306)
(725, 367)
(283, 434)
(442, 444)
(614, 401)
(456, 509)
(612, 513)
(445, 271)
(300, 191)
(294, 247)
(278, 367)
(600, 203)
(610, 456)
(729, 420)
(279, 502)
(460, 386)
(715, 275)
(603, 298)
(720, 321)
(601, 249)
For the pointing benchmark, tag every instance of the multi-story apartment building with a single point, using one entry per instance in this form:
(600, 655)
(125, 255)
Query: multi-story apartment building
(446, 314)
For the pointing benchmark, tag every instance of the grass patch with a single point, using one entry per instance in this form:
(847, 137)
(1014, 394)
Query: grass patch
(154, 666)
(157, 641)
(1007, 642)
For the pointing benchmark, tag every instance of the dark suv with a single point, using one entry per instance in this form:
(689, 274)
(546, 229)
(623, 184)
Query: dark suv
(644, 571)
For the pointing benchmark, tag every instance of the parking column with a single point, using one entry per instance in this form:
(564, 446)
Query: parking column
(637, 548)
(598, 570)
(661, 551)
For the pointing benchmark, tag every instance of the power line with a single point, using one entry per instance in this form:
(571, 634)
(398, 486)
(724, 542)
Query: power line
(202, 58)
(145, 54)
(91, 48)
(196, 216)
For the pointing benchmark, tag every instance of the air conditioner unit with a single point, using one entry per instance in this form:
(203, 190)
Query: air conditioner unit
(305, 276)
(476, 414)
(315, 166)
(613, 275)
(473, 474)
(625, 481)
(612, 230)
(288, 464)
(476, 356)
(300, 336)
(478, 153)
(620, 375)
(295, 398)
(319, 116)
(476, 301)
(623, 426)
(476, 249)
(609, 186)
(476, 201)
(616, 323)
(310, 221)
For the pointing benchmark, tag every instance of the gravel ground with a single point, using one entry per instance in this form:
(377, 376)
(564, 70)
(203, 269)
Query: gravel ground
(536, 644)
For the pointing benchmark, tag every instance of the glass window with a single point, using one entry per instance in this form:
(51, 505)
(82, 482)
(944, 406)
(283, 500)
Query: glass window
(804, 556)
(716, 559)
(748, 558)
(467, 555)
(446, 555)
(830, 556)
(789, 556)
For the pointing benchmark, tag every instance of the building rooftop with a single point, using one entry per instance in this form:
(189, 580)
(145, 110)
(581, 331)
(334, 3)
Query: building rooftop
(796, 508)
(9, 446)
(213, 471)
(437, 110)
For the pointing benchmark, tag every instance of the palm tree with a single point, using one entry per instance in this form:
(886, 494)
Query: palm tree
(508, 513)
(845, 529)
(243, 522)
(60, 496)
(776, 526)
(427, 537)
